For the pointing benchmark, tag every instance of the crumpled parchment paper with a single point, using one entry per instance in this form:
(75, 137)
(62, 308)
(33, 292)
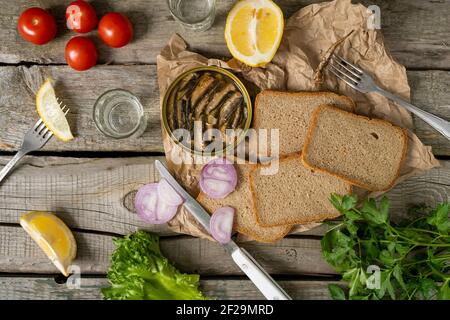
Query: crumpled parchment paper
(307, 42)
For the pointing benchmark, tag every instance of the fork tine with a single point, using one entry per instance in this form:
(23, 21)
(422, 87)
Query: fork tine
(351, 84)
(48, 135)
(348, 63)
(60, 103)
(40, 127)
(37, 124)
(345, 67)
(63, 107)
(344, 74)
(44, 131)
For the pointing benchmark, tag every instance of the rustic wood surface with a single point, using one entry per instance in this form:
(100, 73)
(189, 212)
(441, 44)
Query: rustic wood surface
(289, 256)
(226, 289)
(93, 192)
(89, 194)
(417, 31)
(97, 194)
(17, 105)
(76, 90)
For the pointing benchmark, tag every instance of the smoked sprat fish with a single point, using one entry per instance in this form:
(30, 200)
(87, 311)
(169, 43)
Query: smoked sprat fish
(208, 97)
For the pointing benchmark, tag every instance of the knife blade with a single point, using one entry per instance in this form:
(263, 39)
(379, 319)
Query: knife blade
(256, 273)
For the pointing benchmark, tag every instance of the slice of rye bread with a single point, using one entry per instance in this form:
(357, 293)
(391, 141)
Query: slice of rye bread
(290, 112)
(245, 220)
(365, 152)
(295, 194)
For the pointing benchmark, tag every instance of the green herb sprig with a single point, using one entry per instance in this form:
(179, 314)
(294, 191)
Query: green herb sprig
(383, 260)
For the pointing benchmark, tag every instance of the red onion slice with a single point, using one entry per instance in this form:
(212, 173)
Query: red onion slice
(218, 178)
(164, 212)
(150, 207)
(168, 194)
(221, 224)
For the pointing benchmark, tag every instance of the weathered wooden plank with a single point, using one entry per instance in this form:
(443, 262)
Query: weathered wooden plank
(97, 194)
(401, 21)
(417, 31)
(90, 194)
(430, 92)
(244, 289)
(18, 253)
(415, 191)
(45, 288)
(17, 105)
(79, 91)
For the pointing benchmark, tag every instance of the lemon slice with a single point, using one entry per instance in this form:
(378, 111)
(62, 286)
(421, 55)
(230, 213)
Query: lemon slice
(50, 112)
(52, 236)
(253, 31)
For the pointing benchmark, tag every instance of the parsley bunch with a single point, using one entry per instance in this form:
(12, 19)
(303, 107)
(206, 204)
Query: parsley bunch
(383, 260)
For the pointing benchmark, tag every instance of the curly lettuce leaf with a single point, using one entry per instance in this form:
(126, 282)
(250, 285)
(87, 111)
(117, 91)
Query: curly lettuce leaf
(139, 271)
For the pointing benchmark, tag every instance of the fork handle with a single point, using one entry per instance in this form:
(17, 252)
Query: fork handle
(6, 169)
(437, 123)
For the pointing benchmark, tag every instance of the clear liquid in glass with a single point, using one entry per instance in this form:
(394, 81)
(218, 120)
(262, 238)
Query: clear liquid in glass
(119, 114)
(195, 15)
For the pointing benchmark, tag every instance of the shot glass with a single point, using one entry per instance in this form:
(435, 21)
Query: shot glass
(119, 114)
(197, 15)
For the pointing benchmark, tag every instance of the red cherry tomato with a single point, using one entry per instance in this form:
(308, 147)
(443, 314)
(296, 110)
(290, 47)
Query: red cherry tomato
(115, 30)
(81, 53)
(81, 17)
(37, 26)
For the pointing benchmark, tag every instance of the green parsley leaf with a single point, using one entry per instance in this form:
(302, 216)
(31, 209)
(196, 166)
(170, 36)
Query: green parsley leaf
(398, 275)
(336, 292)
(439, 218)
(338, 250)
(387, 258)
(349, 202)
(372, 214)
(427, 288)
(444, 291)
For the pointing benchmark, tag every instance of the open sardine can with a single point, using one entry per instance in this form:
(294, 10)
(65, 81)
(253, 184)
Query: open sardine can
(207, 111)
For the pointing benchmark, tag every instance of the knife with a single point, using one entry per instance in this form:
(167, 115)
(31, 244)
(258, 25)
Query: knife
(260, 278)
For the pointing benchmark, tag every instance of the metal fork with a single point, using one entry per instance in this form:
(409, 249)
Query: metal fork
(356, 78)
(34, 139)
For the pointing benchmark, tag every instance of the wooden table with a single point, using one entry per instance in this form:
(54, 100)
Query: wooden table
(90, 181)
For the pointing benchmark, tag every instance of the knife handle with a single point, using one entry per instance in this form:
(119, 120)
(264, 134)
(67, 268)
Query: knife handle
(262, 280)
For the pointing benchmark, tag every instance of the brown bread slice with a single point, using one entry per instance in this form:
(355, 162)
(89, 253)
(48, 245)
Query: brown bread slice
(290, 112)
(295, 194)
(245, 220)
(365, 152)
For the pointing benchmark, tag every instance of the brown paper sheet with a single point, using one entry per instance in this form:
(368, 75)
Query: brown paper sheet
(308, 36)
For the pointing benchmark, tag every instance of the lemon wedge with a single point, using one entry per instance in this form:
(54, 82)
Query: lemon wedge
(253, 31)
(52, 236)
(50, 112)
